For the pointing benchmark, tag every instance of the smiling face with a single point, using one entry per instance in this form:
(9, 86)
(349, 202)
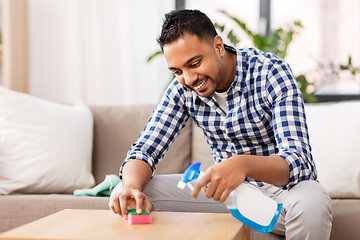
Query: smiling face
(198, 64)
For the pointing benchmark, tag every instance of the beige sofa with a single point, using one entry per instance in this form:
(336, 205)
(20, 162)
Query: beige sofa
(115, 129)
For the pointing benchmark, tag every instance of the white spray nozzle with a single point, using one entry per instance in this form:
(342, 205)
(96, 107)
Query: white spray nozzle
(181, 185)
(191, 173)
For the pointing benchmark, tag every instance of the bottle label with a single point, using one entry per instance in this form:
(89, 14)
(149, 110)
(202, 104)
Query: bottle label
(254, 205)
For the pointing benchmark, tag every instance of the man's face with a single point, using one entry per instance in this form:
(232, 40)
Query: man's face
(197, 64)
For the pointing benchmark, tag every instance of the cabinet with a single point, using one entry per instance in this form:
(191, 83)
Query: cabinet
(14, 45)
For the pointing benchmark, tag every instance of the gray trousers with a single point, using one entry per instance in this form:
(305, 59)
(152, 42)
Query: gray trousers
(306, 213)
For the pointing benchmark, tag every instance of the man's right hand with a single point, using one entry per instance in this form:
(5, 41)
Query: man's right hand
(122, 198)
(128, 193)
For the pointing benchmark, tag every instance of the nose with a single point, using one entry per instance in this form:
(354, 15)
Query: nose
(190, 77)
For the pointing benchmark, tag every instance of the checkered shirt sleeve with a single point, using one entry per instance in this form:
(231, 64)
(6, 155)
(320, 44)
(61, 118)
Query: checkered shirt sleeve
(165, 124)
(289, 123)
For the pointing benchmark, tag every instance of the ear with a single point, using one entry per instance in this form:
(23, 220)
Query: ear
(219, 46)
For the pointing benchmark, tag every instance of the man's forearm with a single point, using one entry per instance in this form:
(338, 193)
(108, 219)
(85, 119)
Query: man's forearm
(136, 174)
(270, 169)
(224, 177)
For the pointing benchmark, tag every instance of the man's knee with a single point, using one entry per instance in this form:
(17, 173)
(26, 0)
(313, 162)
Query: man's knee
(309, 205)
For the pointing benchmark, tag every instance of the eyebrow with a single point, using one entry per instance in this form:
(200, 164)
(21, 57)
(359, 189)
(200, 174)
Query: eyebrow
(187, 62)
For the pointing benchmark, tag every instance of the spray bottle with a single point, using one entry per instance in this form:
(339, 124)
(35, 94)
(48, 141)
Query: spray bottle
(253, 206)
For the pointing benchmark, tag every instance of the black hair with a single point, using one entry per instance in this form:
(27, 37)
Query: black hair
(178, 22)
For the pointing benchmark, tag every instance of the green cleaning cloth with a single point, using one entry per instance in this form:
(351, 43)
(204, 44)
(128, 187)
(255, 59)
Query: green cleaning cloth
(102, 189)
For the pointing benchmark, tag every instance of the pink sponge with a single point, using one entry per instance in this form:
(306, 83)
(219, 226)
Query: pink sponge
(135, 218)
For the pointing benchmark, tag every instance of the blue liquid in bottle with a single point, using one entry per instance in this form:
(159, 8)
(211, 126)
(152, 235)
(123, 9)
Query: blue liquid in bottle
(264, 229)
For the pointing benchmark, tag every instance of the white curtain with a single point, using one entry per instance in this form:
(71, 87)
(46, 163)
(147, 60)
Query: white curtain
(96, 50)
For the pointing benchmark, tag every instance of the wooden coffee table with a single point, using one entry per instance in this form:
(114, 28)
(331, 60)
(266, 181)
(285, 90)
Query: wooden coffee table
(103, 224)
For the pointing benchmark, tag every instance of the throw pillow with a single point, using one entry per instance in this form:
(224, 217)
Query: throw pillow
(334, 130)
(44, 147)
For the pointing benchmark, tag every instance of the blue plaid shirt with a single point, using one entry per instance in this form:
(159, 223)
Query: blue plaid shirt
(265, 117)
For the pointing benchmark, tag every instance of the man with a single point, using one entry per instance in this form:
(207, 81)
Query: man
(251, 111)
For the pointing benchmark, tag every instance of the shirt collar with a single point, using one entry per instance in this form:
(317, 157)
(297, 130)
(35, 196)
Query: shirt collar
(240, 74)
(238, 82)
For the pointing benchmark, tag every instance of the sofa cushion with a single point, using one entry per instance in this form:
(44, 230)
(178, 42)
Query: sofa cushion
(117, 128)
(44, 147)
(334, 130)
(346, 219)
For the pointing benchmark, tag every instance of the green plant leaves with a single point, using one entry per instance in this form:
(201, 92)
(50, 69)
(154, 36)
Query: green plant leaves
(298, 23)
(221, 28)
(349, 67)
(233, 39)
(154, 55)
(241, 24)
(303, 85)
(276, 42)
